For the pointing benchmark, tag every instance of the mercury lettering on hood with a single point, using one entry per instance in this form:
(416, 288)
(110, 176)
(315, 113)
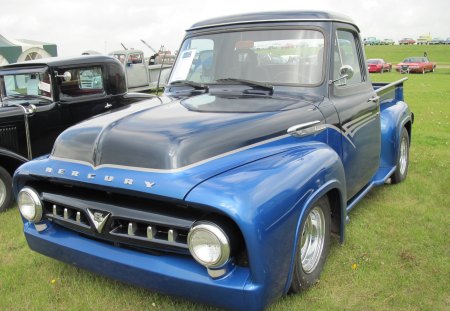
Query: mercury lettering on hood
(182, 132)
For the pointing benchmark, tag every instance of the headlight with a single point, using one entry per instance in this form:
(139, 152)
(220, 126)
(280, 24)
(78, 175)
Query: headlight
(209, 245)
(30, 205)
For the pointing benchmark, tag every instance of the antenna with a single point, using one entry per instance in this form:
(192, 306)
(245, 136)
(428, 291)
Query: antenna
(123, 45)
(148, 45)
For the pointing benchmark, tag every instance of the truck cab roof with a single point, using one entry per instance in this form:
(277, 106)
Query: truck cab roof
(276, 16)
(62, 61)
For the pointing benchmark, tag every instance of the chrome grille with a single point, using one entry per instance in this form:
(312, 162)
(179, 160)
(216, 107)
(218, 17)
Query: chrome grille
(149, 232)
(147, 229)
(67, 214)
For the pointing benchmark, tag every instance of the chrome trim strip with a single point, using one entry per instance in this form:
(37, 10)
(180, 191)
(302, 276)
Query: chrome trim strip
(175, 170)
(381, 89)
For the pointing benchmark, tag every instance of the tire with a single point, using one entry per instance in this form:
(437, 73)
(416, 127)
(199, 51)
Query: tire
(312, 252)
(402, 159)
(6, 197)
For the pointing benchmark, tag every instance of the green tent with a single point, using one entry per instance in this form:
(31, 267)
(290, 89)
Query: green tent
(13, 51)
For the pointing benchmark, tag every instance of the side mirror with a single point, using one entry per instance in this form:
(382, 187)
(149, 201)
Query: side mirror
(346, 71)
(67, 76)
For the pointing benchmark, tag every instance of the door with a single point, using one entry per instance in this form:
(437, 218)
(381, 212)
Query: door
(136, 70)
(358, 109)
(28, 91)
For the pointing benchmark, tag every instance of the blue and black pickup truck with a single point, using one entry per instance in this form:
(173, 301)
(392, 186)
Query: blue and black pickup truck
(226, 189)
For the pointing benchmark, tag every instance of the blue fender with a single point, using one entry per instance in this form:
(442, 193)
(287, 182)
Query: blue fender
(394, 116)
(267, 200)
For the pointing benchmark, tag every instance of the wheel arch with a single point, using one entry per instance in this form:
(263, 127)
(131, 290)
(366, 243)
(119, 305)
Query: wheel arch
(335, 193)
(394, 117)
(10, 161)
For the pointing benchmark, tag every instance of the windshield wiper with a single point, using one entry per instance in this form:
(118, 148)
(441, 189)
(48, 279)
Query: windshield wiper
(263, 85)
(195, 85)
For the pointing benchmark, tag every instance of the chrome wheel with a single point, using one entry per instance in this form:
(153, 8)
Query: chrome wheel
(312, 240)
(403, 160)
(2, 192)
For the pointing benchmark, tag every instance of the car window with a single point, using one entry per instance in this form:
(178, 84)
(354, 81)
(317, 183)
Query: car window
(34, 84)
(83, 81)
(346, 53)
(135, 58)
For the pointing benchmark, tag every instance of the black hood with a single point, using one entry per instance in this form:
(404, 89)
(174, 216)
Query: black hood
(183, 132)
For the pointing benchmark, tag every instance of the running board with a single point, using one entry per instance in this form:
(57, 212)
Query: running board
(380, 177)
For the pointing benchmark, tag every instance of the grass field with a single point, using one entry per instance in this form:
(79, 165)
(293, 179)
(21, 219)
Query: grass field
(397, 250)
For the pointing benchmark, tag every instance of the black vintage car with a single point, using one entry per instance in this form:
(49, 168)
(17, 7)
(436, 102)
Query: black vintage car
(39, 99)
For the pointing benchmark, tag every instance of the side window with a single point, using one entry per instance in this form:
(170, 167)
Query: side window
(84, 81)
(346, 53)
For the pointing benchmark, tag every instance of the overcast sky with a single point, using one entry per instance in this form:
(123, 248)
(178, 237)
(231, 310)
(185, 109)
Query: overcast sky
(101, 25)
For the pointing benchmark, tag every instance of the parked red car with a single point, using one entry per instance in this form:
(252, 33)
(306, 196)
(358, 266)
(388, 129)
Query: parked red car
(416, 64)
(378, 65)
(406, 41)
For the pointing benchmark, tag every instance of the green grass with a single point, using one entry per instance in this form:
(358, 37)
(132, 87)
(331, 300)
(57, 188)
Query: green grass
(396, 53)
(398, 237)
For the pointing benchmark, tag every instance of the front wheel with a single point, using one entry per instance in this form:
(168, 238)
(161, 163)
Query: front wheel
(313, 246)
(402, 159)
(6, 197)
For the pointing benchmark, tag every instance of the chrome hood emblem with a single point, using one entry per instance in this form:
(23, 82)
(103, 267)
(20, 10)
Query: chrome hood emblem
(98, 218)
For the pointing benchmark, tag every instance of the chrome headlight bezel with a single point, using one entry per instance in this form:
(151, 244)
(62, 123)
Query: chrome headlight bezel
(36, 207)
(219, 235)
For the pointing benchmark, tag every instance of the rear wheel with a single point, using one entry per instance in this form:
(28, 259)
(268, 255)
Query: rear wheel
(313, 246)
(6, 197)
(402, 159)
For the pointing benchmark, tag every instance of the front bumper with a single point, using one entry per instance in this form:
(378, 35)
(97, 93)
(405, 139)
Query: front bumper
(169, 274)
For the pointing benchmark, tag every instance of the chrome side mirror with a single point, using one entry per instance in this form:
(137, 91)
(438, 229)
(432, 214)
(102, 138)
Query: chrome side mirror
(67, 76)
(346, 71)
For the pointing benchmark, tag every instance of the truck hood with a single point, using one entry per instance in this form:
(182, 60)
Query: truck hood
(184, 142)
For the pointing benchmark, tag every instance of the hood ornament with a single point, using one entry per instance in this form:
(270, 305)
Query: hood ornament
(98, 218)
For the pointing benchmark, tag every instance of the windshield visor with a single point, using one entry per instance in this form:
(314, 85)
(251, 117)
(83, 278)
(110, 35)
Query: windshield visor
(276, 57)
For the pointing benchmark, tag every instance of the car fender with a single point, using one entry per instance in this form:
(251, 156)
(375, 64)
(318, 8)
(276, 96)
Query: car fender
(11, 160)
(267, 199)
(394, 116)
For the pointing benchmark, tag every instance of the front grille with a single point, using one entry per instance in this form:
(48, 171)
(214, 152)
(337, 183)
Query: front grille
(8, 138)
(124, 221)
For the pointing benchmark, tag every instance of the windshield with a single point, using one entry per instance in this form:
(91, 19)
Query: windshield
(373, 61)
(29, 84)
(274, 57)
(415, 60)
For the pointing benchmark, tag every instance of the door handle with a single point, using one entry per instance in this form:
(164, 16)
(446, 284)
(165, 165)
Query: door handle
(108, 105)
